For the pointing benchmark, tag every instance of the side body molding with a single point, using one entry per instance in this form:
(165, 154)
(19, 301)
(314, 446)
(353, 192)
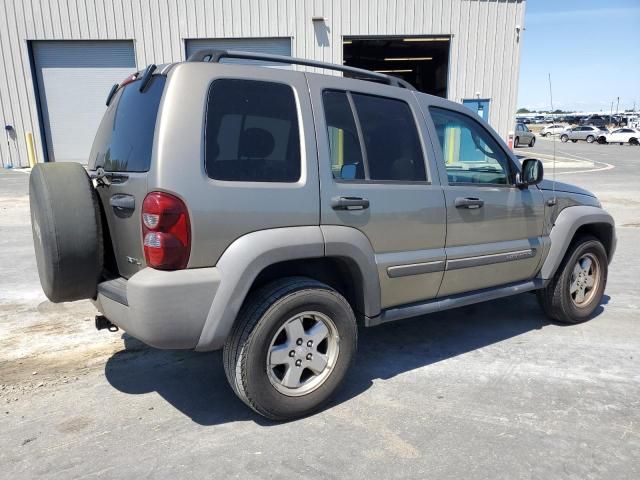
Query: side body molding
(241, 263)
(565, 226)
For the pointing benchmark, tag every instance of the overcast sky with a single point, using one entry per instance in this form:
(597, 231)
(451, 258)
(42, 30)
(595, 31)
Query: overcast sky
(590, 47)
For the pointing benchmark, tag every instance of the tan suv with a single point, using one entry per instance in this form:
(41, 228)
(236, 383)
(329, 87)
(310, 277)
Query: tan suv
(268, 212)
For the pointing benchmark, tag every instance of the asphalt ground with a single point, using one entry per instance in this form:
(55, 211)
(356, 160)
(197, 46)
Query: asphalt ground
(490, 391)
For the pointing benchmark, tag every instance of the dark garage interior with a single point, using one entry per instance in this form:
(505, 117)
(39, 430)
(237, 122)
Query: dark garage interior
(422, 61)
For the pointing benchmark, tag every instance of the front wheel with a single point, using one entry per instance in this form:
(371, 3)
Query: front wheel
(576, 289)
(634, 141)
(564, 138)
(516, 142)
(532, 142)
(291, 347)
(590, 139)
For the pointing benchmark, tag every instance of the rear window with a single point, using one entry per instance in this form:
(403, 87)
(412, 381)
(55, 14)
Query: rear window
(124, 140)
(251, 132)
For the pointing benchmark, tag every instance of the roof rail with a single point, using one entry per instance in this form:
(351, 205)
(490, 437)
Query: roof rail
(214, 55)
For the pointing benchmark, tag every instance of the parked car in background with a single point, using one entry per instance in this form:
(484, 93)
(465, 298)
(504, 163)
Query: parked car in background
(523, 136)
(538, 119)
(552, 130)
(621, 135)
(588, 133)
(595, 120)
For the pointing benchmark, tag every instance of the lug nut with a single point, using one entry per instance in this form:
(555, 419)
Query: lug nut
(298, 363)
(309, 356)
(292, 353)
(310, 343)
(299, 341)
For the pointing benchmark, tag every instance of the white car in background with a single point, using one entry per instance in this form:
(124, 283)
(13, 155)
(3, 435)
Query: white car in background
(621, 135)
(552, 130)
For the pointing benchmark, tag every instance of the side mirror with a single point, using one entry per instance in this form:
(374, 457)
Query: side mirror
(532, 172)
(349, 171)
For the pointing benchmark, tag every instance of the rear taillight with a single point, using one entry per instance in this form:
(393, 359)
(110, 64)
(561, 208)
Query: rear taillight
(166, 231)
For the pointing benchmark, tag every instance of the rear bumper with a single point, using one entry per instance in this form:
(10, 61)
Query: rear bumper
(163, 309)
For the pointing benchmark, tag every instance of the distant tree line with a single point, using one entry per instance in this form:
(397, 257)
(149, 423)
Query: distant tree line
(526, 110)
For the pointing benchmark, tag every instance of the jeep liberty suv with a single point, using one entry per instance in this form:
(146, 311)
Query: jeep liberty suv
(267, 212)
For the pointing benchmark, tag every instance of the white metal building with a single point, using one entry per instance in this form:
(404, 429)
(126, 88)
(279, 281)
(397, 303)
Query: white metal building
(59, 58)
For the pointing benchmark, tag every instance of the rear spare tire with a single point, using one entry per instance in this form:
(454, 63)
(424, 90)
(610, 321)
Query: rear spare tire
(67, 231)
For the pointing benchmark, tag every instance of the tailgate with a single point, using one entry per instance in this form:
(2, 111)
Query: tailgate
(123, 148)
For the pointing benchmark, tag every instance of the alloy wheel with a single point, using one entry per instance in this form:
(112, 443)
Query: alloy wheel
(585, 280)
(302, 353)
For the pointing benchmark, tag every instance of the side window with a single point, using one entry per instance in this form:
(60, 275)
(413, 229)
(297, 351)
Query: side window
(385, 147)
(344, 146)
(471, 155)
(251, 132)
(391, 141)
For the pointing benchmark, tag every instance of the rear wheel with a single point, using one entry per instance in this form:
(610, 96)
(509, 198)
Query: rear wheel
(577, 287)
(574, 141)
(564, 138)
(290, 348)
(516, 142)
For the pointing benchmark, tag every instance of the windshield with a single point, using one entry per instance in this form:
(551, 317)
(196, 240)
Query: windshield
(124, 140)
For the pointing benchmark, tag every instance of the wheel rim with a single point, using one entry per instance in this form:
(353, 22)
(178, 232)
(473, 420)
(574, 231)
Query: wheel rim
(303, 353)
(585, 280)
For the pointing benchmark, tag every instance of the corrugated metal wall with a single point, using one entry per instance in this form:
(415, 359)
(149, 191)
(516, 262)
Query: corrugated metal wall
(484, 53)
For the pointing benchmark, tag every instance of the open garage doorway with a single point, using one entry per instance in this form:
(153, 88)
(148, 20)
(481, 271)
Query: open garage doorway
(422, 61)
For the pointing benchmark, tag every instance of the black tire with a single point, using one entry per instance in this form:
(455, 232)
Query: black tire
(633, 141)
(574, 141)
(67, 231)
(261, 317)
(555, 299)
(516, 142)
(564, 138)
(532, 142)
(602, 140)
(590, 139)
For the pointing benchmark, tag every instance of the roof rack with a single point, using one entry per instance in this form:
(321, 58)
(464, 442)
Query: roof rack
(214, 55)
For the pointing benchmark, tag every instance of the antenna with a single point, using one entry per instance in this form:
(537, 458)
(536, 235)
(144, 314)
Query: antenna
(553, 181)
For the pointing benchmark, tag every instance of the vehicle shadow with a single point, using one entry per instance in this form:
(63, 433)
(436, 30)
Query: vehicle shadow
(195, 384)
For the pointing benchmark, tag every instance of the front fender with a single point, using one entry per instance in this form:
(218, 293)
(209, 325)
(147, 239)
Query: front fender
(565, 227)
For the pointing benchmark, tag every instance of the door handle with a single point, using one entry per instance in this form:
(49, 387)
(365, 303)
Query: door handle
(469, 202)
(349, 203)
(123, 205)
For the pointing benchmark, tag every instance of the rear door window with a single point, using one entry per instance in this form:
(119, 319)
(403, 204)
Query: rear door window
(124, 140)
(251, 132)
(372, 138)
(344, 145)
(391, 139)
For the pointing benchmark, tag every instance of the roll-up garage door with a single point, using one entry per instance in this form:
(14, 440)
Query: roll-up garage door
(273, 46)
(73, 80)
